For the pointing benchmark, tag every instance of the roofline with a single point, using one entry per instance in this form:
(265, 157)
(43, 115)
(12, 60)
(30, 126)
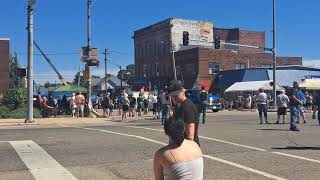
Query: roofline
(4, 39)
(159, 22)
(169, 20)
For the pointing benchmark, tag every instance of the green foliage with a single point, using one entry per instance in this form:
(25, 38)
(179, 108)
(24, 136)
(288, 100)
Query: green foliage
(128, 74)
(20, 113)
(14, 98)
(15, 81)
(4, 112)
(83, 83)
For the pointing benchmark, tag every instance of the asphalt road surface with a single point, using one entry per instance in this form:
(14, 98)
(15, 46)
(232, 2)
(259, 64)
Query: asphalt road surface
(234, 144)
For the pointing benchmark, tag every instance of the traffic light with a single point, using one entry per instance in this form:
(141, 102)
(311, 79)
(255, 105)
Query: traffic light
(185, 38)
(217, 42)
(21, 72)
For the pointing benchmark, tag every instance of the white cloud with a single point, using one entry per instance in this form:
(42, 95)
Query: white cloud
(311, 63)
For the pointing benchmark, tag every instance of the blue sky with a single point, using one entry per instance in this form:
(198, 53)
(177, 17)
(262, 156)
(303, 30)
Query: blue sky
(60, 27)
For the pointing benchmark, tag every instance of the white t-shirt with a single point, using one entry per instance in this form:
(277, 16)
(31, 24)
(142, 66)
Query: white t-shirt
(248, 100)
(262, 98)
(282, 100)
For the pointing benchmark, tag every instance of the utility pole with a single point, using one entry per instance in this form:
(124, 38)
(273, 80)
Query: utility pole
(274, 90)
(121, 77)
(88, 68)
(105, 69)
(30, 11)
(174, 71)
(79, 76)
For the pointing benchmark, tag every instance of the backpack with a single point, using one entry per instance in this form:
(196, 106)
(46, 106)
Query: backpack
(203, 96)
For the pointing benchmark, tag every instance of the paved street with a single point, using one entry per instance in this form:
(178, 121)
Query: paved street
(234, 144)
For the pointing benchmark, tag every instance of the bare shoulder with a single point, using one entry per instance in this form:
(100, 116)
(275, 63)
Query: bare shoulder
(161, 153)
(194, 145)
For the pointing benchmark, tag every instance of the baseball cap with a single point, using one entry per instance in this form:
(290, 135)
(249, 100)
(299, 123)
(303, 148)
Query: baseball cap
(175, 88)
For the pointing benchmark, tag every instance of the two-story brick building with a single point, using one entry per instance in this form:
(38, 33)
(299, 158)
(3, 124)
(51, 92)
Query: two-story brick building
(199, 62)
(4, 65)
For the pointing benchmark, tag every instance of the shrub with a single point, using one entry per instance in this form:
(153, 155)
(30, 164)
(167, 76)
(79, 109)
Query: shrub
(14, 98)
(20, 113)
(4, 112)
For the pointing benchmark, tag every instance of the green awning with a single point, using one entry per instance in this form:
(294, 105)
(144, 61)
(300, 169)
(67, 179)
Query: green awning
(71, 89)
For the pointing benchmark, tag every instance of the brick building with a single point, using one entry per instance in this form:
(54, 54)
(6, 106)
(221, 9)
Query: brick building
(198, 63)
(4, 65)
(201, 65)
(237, 36)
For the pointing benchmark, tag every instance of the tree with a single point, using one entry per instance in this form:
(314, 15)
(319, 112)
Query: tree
(83, 82)
(15, 81)
(14, 98)
(128, 74)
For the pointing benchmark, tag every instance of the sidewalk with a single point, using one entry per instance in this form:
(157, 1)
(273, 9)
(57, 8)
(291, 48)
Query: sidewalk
(56, 121)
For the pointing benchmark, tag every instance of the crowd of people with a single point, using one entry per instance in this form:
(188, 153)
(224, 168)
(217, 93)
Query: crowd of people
(294, 99)
(180, 116)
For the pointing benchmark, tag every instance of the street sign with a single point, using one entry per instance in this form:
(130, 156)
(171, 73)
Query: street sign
(92, 61)
(85, 53)
(89, 56)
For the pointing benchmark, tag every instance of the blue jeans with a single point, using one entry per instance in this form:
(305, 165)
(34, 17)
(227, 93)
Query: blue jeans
(262, 108)
(301, 112)
(165, 112)
(294, 113)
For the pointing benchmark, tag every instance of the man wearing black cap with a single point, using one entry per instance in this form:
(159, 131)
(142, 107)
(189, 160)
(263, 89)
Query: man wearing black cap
(186, 110)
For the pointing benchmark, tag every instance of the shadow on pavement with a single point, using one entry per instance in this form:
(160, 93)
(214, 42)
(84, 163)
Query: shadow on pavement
(298, 148)
(274, 129)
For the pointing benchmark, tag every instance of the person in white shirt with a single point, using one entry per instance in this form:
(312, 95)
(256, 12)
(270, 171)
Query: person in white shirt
(248, 101)
(262, 105)
(73, 105)
(282, 103)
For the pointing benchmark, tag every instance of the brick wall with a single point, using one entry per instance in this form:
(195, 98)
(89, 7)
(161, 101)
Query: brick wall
(252, 38)
(226, 59)
(4, 66)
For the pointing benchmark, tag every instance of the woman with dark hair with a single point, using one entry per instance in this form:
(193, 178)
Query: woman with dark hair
(181, 159)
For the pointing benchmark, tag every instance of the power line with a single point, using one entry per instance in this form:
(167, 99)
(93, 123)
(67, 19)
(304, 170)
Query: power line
(75, 53)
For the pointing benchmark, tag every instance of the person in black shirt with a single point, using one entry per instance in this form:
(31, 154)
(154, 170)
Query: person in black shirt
(203, 103)
(185, 110)
(133, 102)
(317, 104)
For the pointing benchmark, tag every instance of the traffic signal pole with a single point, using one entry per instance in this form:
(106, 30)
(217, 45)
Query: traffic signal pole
(274, 91)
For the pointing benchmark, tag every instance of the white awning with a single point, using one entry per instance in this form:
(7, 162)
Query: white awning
(252, 86)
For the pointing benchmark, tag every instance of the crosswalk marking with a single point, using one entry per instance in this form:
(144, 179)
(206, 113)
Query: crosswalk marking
(206, 156)
(40, 164)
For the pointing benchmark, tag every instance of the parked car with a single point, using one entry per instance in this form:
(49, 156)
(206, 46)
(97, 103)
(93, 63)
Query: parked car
(213, 101)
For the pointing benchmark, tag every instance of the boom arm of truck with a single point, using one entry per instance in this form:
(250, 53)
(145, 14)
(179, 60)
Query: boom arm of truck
(49, 61)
